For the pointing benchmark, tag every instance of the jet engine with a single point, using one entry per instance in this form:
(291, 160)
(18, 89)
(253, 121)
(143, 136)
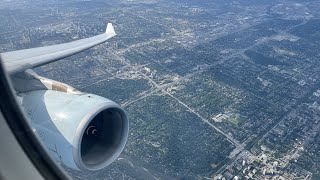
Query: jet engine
(82, 131)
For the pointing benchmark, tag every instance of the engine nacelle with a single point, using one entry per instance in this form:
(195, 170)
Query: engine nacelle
(83, 131)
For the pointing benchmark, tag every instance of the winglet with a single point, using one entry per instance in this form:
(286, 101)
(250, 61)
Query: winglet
(110, 30)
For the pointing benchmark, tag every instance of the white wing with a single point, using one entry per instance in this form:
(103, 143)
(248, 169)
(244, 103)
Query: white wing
(17, 61)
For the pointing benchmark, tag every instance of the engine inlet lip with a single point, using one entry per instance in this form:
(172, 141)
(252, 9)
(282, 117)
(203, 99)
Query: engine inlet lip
(76, 150)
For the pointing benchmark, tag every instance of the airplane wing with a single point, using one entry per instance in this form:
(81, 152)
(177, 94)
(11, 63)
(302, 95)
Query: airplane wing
(17, 61)
(87, 131)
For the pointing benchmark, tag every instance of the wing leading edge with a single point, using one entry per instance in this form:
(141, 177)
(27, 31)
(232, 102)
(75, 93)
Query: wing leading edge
(17, 61)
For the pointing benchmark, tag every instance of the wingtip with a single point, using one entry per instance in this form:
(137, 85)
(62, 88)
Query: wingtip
(110, 29)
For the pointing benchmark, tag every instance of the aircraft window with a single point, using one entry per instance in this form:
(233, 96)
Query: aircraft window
(24, 134)
(210, 89)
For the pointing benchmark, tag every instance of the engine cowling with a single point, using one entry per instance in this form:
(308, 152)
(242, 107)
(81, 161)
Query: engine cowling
(82, 131)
